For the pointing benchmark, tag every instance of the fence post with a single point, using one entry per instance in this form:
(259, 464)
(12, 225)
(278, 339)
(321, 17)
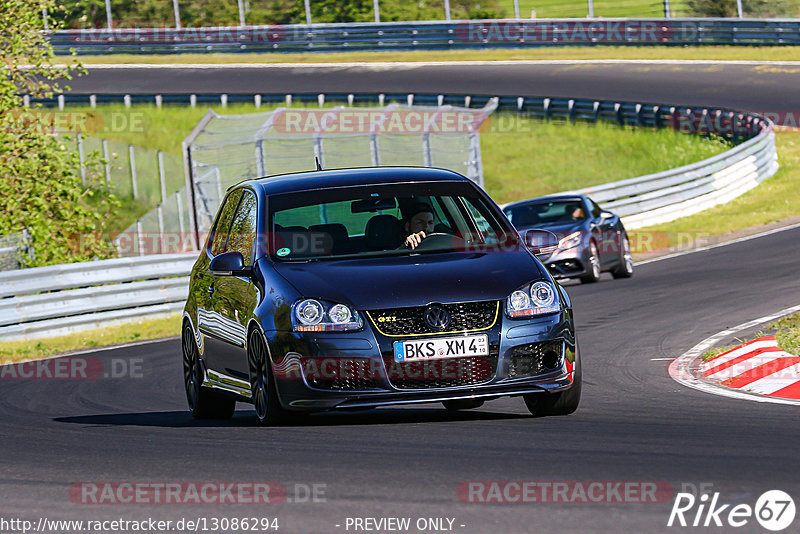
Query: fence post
(139, 239)
(132, 163)
(107, 162)
(81, 159)
(308, 11)
(447, 9)
(373, 150)
(667, 10)
(377, 11)
(182, 227)
(427, 158)
(241, 13)
(109, 19)
(177, 13)
(516, 9)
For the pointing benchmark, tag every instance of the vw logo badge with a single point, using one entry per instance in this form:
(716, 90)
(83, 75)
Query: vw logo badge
(437, 317)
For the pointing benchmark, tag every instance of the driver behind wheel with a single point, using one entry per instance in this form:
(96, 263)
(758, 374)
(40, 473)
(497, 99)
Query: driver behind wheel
(418, 224)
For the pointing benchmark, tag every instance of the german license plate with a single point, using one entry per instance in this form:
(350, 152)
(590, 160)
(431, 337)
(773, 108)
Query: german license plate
(443, 347)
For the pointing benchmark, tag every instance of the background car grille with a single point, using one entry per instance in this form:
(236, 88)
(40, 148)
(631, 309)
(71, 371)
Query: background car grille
(534, 358)
(410, 321)
(341, 374)
(444, 373)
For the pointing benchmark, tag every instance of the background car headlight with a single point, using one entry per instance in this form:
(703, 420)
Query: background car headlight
(310, 315)
(572, 240)
(537, 298)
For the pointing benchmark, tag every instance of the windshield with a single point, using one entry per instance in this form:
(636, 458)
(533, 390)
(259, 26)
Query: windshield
(375, 221)
(546, 212)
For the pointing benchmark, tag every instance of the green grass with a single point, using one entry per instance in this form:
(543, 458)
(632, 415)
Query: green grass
(776, 199)
(717, 53)
(522, 158)
(786, 331)
(602, 8)
(545, 158)
(14, 351)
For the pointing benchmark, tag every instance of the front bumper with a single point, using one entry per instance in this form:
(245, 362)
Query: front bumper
(570, 263)
(299, 389)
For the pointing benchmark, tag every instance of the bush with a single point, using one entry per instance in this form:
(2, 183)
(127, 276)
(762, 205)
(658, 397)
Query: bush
(41, 189)
(727, 8)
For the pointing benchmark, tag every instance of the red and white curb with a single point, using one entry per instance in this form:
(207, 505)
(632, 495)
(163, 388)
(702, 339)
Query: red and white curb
(758, 370)
(759, 366)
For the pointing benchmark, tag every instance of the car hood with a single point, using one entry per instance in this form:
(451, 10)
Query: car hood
(560, 229)
(420, 279)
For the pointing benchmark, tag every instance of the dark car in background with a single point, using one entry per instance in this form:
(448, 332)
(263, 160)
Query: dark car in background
(307, 298)
(591, 240)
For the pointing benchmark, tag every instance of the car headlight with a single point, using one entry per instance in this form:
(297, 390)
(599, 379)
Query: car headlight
(572, 240)
(311, 315)
(537, 298)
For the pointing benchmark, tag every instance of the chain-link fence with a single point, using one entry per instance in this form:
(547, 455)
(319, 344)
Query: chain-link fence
(225, 149)
(14, 250)
(134, 173)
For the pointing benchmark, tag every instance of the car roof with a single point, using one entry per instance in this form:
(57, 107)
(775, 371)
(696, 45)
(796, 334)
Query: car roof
(304, 181)
(545, 198)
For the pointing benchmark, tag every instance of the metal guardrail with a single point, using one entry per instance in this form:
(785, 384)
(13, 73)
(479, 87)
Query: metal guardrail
(432, 35)
(666, 196)
(66, 298)
(61, 299)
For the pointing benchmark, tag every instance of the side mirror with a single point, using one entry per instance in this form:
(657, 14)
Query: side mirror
(541, 243)
(229, 264)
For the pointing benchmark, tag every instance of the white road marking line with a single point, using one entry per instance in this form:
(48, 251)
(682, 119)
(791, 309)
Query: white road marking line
(725, 244)
(94, 349)
(404, 65)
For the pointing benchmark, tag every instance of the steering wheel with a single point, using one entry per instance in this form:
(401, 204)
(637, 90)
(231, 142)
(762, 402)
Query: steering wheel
(437, 240)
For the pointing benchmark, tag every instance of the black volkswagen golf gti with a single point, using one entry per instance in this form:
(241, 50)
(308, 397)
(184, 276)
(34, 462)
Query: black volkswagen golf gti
(357, 288)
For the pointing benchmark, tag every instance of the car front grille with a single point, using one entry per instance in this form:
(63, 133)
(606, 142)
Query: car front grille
(533, 359)
(464, 317)
(444, 373)
(341, 374)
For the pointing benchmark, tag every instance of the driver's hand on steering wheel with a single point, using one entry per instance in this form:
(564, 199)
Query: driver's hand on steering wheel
(415, 239)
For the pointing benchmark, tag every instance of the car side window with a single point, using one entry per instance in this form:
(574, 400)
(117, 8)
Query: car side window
(243, 229)
(595, 209)
(221, 229)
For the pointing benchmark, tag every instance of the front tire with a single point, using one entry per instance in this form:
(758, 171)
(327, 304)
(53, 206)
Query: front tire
(625, 267)
(593, 273)
(203, 403)
(262, 383)
(561, 403)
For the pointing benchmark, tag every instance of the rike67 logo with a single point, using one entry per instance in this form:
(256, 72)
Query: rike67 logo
(774, 510)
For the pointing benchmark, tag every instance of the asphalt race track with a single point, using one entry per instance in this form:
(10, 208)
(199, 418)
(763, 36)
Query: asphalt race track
(634, 424)
(765, 88)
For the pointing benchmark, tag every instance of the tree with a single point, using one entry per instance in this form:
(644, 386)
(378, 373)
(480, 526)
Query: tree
(40, 185)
